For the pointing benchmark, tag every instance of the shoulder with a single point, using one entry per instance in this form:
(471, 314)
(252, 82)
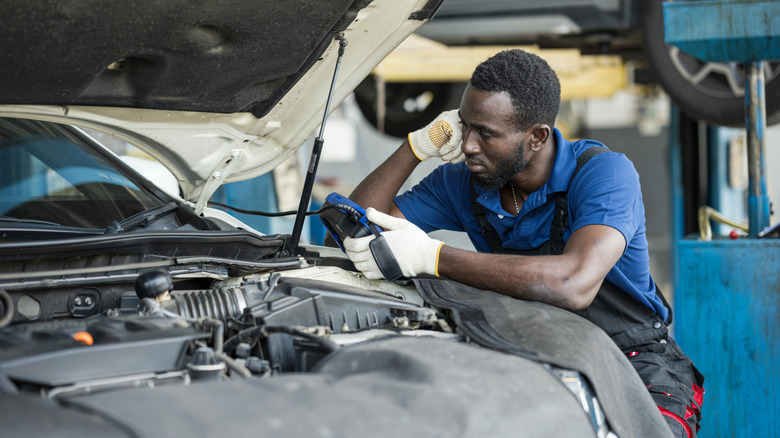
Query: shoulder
(455, 170)
(607, 177)
(606, 191)
(595, 160)
(448, 174)
(439, 200)
(440, 185)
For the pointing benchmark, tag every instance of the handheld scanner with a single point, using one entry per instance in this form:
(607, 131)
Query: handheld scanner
(343, 218)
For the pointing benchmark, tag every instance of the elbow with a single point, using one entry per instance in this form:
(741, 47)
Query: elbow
(578, 288)
(582, 298)
(579, 303)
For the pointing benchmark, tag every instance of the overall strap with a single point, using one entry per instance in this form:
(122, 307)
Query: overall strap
(585, 156)
(561, 216)
(488, 232)
(560, 219)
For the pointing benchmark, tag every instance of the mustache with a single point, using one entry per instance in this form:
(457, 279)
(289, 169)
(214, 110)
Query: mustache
(472, 159)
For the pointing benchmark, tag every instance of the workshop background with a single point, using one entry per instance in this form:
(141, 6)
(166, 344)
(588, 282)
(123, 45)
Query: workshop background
(708, 195)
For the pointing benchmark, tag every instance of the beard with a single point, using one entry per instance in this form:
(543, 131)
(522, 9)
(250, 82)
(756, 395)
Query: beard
(504, 172)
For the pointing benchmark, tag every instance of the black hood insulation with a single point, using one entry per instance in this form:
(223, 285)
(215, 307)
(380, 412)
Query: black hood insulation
(221, 56)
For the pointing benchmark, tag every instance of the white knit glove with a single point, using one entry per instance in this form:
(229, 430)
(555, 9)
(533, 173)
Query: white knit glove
(441, 138)
(415, 252)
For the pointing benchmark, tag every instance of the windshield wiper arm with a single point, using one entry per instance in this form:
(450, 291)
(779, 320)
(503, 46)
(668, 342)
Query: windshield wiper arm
(143, 218)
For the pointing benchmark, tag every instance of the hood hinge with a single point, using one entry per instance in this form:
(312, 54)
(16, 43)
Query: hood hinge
(218, 176)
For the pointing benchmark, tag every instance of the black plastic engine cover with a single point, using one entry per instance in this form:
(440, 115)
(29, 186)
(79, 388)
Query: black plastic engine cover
(47, 354)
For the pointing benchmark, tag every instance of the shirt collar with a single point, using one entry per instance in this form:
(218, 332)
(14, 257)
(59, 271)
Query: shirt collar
(563, 168)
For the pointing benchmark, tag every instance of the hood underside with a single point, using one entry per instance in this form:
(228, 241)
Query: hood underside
(225, 87)
(208, 56)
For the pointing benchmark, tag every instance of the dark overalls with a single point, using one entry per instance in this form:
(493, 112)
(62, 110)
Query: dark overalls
(674, 383)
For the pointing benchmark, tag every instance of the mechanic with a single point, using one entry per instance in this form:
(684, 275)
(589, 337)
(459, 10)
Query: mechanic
(553, 221)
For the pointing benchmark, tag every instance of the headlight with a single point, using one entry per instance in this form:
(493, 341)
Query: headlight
(581, 389)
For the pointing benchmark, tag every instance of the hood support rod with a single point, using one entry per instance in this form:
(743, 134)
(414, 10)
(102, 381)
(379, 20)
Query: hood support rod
(314, 161)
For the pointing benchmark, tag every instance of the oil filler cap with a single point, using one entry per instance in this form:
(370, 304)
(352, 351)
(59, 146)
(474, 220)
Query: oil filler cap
(205, 365)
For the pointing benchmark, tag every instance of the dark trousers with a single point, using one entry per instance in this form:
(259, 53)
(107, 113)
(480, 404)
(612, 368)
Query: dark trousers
(673, 381)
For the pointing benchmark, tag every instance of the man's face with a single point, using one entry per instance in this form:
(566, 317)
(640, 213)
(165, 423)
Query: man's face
(493, 144)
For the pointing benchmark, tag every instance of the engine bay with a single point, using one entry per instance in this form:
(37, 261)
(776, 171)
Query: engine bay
(160, 331)
(125, 340)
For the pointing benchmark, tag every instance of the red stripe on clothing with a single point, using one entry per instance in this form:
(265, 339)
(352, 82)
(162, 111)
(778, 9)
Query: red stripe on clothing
(698, 394)
(677, 418)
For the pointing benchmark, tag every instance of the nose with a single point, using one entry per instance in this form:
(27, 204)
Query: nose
(469, 146)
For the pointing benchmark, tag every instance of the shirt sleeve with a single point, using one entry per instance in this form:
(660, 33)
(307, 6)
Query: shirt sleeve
(606, 191)
(436, 201)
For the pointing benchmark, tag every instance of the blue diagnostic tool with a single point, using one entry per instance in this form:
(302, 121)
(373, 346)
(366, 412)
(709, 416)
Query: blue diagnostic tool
(343, 218)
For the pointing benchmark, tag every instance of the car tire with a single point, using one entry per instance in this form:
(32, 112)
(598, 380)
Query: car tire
(713, 92)
(408, 105)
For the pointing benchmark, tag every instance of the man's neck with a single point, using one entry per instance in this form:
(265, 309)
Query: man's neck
(537, 172)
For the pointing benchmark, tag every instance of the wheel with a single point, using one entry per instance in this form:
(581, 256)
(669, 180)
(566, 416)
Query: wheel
(709, 91)
(408, 106)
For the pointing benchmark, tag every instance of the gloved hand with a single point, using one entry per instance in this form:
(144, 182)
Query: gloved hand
(441, 138)
(415, 252)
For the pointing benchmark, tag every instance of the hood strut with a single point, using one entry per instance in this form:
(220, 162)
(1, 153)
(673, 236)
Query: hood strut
(314, 160)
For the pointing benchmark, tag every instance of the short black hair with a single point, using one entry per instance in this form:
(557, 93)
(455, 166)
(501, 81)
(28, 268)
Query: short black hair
(530, 82)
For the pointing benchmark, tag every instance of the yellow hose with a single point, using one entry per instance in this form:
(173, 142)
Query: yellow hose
(706, 213)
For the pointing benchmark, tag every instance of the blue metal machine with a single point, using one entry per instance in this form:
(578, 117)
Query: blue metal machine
(727, 297)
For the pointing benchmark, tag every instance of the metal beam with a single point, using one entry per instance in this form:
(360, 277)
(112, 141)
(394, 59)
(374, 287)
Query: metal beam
(419, 59)
(724, 30)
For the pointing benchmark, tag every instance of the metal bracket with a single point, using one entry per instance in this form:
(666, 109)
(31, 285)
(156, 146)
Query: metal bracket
(218, 177)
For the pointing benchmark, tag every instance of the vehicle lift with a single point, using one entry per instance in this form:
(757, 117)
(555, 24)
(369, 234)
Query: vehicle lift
(727, 298)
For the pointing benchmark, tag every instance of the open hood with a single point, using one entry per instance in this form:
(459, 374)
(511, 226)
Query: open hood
(217, 90)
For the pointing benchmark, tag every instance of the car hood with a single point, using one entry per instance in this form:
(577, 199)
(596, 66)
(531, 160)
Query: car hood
(217, 90)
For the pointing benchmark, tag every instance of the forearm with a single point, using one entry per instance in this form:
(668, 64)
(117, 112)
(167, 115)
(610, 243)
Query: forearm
(555, 280)
(380, 187)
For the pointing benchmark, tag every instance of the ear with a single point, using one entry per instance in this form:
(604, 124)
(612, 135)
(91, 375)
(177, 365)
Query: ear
(540, 135)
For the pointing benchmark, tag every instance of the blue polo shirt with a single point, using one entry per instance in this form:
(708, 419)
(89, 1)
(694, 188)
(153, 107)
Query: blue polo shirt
(606, 191)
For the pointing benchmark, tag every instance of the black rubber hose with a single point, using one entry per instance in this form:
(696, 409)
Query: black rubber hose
(218, 332)
(8, 305)
(264, 331)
